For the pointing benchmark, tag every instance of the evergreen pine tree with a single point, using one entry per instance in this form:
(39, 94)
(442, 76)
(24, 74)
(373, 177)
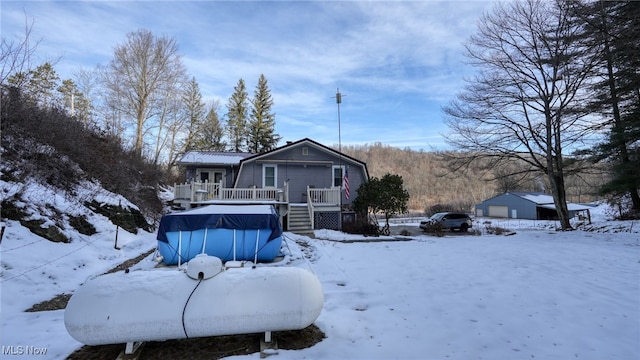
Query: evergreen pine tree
(211, 134)
(73, 100)
(194, 112)
(38, 84)
(615, 26)
(261, 132)
(237, 117)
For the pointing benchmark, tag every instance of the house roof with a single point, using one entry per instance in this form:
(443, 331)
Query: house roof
(199, 157)
(570, 207)
(308, 142)
(534, 197)
(545, 200)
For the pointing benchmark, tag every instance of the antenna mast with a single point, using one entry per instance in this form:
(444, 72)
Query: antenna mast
(339, 101)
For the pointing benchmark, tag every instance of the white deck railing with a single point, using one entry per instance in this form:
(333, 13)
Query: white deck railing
(203, 191)
(322, 197)
(329, 196)
(251, 194)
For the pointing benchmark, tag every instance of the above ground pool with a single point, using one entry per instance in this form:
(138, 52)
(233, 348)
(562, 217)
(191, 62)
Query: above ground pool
(229, 232)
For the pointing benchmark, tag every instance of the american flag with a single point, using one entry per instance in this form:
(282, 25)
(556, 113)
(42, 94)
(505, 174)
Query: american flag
(346, 183)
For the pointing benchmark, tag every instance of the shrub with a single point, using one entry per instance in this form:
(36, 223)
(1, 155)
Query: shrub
(48, 144)
(435, 228)
(496, 230)
(362, 227)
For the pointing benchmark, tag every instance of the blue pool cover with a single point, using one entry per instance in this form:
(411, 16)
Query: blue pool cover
(218, 230)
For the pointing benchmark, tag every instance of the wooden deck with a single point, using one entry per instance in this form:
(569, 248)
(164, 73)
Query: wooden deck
(194, 194)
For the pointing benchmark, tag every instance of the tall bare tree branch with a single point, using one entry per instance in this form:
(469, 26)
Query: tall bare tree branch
(524, 102)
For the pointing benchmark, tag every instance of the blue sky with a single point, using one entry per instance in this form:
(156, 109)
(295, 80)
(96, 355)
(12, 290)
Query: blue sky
(395, 62)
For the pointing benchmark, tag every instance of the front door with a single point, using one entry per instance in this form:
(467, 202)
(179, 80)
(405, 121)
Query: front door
(209, 175)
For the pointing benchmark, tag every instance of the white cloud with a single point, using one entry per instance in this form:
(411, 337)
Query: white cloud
(378, 53)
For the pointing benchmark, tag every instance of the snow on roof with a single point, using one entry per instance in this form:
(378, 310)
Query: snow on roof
(213, 157)
(570, 207)
(546, 201)
(537, 198)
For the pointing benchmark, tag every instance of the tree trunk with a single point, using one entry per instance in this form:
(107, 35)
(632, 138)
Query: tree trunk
(618, 125)
(555, 168)
(560, 199)
(140, 128)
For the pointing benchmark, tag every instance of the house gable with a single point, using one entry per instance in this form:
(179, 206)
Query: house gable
(300, 164)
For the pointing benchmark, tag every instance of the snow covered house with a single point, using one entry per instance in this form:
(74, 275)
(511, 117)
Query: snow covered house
(525, 205)
(311, 185)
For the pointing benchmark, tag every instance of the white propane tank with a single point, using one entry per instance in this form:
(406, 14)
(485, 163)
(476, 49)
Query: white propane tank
(204, 267)
(162, 304)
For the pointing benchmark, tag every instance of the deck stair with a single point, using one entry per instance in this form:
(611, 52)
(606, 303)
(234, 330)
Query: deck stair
(299, 221)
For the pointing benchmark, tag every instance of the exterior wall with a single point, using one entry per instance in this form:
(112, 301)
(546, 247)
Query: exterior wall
(302, 165)
(525, 209)
(230, 173)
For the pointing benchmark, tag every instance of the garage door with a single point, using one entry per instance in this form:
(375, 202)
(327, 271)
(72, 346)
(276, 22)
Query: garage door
(498, 211)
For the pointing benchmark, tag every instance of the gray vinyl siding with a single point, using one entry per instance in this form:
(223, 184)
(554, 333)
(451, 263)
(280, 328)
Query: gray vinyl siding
(311, 168)
(231, 171)
(525, 209)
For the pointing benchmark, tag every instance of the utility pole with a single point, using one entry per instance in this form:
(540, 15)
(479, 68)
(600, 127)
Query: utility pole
(339, 101)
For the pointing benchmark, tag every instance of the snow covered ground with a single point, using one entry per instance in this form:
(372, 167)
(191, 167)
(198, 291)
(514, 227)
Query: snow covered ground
(537, 294)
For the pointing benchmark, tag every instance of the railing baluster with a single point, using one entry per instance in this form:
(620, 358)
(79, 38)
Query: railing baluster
(188, 190)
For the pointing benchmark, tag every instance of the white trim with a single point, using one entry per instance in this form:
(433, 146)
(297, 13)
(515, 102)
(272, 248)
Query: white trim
(264, 175)
(212, 173)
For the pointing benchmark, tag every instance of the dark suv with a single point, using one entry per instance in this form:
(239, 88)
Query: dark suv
(447, 220)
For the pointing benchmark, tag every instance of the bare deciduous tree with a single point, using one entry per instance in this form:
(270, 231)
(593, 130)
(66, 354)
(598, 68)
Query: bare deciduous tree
(523, 103)
(15, 56)
(169, 122)
(145, 68)
(87, 82)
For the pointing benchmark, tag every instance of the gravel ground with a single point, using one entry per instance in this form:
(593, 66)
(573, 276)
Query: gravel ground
(207, 348)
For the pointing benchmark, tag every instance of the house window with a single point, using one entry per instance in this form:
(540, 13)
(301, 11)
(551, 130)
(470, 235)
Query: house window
(269, 175)
(305, 151)
(337, 175)
(210, 175)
